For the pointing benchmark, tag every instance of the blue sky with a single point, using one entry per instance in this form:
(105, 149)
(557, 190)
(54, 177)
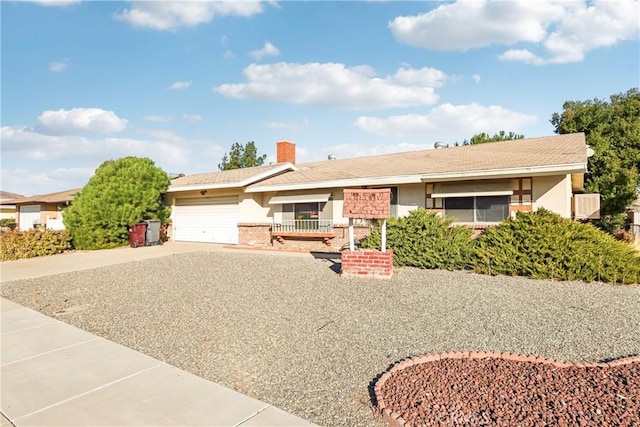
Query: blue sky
(180, 82)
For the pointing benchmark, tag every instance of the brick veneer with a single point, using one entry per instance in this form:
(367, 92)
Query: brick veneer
(368, 263)
(254, 234)
(259, 235)
(395, 419)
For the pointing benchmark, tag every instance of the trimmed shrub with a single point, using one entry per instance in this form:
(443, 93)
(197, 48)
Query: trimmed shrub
(543, 245)
(32, 243)
(425, 239)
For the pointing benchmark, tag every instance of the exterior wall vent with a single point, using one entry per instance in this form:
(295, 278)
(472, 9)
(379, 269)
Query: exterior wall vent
(586, 206)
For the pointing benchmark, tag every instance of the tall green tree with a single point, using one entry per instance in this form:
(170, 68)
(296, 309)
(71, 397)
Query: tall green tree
(612, 130)
(120, 193)
(241, 156)
(481, 138)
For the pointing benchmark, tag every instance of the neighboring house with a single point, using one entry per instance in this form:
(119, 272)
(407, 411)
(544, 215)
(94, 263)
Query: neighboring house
(44, 209)
(289, 205)
(633, 217)
(7, 205)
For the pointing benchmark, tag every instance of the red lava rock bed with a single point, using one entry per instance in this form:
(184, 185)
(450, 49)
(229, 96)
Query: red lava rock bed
(481, 389)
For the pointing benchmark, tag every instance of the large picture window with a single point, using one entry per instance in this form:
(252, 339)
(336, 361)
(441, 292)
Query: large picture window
(477, 209)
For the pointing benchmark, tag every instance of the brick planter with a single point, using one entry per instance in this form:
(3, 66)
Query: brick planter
(368, 263)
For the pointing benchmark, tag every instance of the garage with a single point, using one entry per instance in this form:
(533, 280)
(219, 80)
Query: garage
(206, 220)
(29, 215)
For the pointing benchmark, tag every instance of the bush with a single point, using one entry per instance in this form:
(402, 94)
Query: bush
(32, 243)
(544, 245)
(425, 239)
(121, 193)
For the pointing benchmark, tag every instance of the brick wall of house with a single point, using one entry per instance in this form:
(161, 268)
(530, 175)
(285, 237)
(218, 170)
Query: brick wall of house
(259, 235)
(368, 263)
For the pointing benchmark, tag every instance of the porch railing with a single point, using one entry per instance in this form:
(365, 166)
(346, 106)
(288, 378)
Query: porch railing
(303, 226)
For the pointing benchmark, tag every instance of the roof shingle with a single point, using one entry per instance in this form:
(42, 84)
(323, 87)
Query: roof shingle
(523, 153)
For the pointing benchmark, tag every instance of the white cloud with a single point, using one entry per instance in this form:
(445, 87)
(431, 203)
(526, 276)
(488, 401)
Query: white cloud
(521, 55)
(193, 118)
(19, 142)
(79, 120)
(476, 78)
(291, 125)
(448, 120)
(158, 119)
(172, 15)
(55, 3)
(267, 50)
(180, 85)
(58, 66)
(335, 85)
(42, 182)
(567, 30)
(229, 55)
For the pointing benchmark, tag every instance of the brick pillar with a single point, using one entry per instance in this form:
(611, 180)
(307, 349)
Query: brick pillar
(286, 152)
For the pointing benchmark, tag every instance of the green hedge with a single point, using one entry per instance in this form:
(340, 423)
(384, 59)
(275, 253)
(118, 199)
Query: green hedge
(544, 245)
(32, 243)
(425, 239)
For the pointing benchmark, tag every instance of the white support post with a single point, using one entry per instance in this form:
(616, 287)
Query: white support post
(351, 236)
(384, 235)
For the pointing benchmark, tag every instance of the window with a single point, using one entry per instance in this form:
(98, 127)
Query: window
(477, 209)
(304, 217)
(303, 210)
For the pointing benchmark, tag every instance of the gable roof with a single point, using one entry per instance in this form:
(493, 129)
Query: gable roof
(533, 156)
(234, 178)
(59, 197)
(9, 198)
(558, 154)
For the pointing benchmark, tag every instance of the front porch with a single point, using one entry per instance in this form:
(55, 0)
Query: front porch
(311, 235)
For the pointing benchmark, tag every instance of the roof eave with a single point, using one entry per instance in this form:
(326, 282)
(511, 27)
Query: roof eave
(568, 168)
(338, 183)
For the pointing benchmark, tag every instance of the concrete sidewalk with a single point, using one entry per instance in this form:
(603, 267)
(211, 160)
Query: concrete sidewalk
(54, 374)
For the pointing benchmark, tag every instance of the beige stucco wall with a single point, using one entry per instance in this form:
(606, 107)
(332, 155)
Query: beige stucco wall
(255, 208)
(410, 197)
(553, 193)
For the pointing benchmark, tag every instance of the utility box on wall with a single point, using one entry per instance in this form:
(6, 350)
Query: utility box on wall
(586, 206)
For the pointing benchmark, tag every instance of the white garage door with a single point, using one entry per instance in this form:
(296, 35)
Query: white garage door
(28, 216)
(208, 220)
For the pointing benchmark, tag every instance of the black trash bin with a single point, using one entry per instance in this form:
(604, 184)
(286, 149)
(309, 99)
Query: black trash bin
(153, 232)
(137, 234)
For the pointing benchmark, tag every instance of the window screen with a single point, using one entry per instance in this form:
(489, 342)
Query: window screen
(492, 208)
(459, 208)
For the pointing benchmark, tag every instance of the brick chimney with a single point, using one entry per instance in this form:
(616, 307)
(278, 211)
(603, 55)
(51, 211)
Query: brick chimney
(286, 152)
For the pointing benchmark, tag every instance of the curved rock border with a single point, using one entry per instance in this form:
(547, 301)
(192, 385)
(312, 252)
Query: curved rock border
(395, 419)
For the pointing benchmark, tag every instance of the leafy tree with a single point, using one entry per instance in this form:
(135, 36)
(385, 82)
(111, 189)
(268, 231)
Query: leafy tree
(122, 192)
(241, 156)
(481, 138)
(612, 130)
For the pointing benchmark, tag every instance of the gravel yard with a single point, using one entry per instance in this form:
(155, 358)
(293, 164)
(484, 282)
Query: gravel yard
(291, 332)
